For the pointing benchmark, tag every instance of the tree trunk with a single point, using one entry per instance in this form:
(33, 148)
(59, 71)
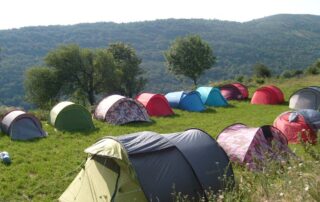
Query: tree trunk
(91, 97)
(195, 82)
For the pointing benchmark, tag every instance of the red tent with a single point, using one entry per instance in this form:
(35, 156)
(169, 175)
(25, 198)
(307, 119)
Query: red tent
(293, 129)
(243, 89)
(232, 92)
(268, 95)
(156, 104)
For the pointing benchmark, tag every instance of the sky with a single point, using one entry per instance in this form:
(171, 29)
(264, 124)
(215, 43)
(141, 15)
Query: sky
(22, 13)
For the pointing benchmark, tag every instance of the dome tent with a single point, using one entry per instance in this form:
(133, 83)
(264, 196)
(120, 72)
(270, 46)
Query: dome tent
(20, 125)
(156, 104)
(117, 110)
(304, 123)
(243, 89)
(253, 147)
(69, 116)
(145, 166)
(212, 97)
(306, 98)
(190, 101)
(234, 91)
(268, 95)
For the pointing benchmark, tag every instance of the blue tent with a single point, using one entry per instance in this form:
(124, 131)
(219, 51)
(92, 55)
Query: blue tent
(212, 97)
(190, 101)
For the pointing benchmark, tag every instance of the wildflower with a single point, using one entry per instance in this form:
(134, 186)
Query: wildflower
(306, 188)
(221, 196)
(289, 168)
(300, 164)
(281, 194)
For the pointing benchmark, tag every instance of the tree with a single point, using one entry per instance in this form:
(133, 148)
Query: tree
(80, 72)
(261, 71)
(42, 86)
(190, 57)
(127, 63)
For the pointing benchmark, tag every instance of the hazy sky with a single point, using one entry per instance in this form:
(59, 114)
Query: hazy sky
(20, 13)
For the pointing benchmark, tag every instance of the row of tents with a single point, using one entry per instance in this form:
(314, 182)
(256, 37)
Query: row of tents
(147, 166)
(117, 110)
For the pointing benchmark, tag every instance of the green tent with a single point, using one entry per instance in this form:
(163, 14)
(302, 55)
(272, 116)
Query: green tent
(69, 116)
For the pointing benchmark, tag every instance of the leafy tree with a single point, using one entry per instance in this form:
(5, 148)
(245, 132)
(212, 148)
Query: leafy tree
(189, 56)
(42, 86)
(127, 63)
(261, 71)
(80, 73)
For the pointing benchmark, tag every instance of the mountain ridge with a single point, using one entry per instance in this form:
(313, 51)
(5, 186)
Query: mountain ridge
(284, 41)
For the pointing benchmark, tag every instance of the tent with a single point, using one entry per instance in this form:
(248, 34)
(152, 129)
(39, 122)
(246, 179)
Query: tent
(147, 166)
(190, 101)
(20, 125)
(268, 95)
(212, 97)
(243, 89)
(253, 147)
(69, 116)
(156, 104)
(117, 110)
(306, 98)
(234, 92)
(305, 122)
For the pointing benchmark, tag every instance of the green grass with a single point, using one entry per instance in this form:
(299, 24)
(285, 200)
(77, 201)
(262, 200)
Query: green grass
(42, 169)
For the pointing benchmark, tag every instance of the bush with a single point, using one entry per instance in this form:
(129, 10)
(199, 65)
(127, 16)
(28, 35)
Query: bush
(261, 70)
(259, 81)
(312, 70)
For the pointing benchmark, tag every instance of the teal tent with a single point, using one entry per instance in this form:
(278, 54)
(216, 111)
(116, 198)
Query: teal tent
(212, 97)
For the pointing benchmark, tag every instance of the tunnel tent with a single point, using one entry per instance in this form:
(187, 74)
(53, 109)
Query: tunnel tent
(156, 104)
(118, 110)
(268, 95)
(68, 116)
(306, 98)
(254, 147)
(20, 125)
(212, 97)
(189, 101)
(147, 166)
(300, 125)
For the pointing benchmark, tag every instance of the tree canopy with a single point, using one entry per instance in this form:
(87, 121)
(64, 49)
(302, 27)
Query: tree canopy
(82, 73)
(127, 62)
(189, 56)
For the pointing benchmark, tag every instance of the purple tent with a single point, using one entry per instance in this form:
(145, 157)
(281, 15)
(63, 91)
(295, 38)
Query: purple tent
(254, 147)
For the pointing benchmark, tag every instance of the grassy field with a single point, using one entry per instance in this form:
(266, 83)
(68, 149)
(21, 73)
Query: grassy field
(42, 169)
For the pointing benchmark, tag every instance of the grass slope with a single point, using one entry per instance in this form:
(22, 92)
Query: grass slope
(42, 169)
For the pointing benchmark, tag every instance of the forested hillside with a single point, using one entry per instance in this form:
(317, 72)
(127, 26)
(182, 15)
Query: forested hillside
(280, 42)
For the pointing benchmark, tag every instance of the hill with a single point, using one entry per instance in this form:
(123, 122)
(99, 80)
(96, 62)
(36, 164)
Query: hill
(42, 169)
(280, 42)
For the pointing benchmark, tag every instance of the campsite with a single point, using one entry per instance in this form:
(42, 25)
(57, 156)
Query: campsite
(160, 101)
(42, 169)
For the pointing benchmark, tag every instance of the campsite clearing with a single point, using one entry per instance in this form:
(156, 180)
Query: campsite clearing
(42, 169)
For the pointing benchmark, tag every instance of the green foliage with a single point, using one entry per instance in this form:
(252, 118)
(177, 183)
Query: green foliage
(83, 72)
(130, 80)
(189, 56)
(275, 41)
(261, 71)
(42, 86)
(314, 69)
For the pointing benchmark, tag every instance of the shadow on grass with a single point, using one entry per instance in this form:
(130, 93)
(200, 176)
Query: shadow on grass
(175, 115)
(209, 111)
(140, 124)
